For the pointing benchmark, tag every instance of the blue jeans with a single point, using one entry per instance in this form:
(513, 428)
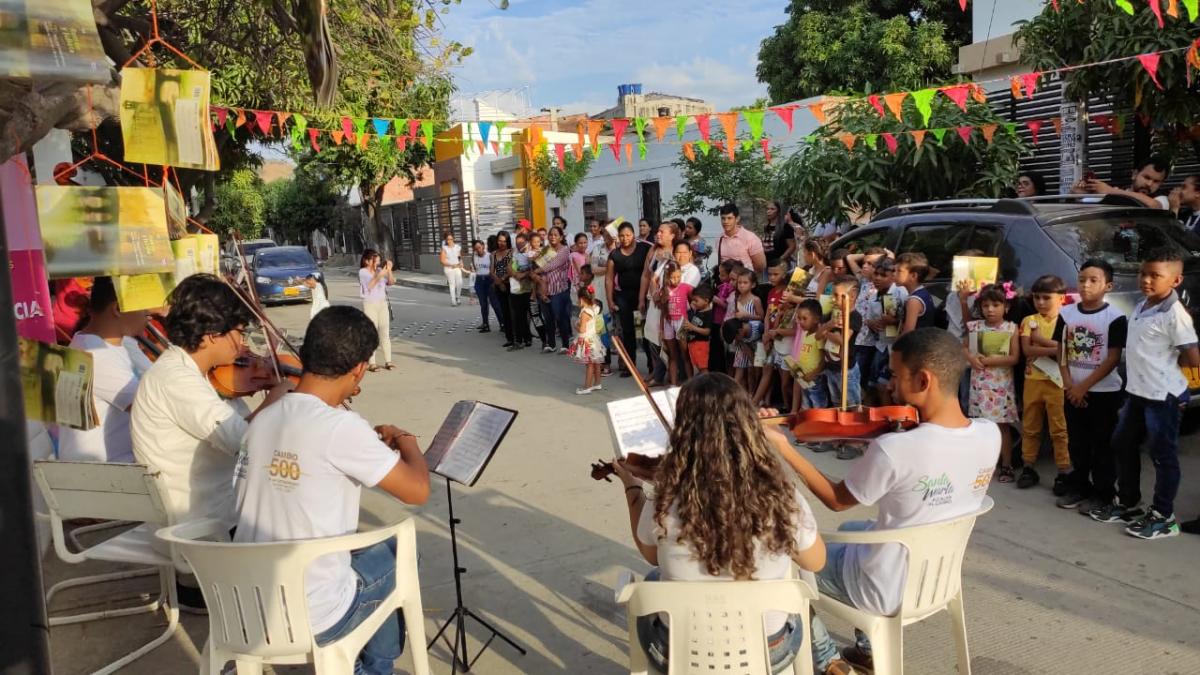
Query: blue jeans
(853, 387)
(832, 582)
(817, 396)
(487, 297)
(1157, 424)
(375, 567)
(656, 638)
(560, 305)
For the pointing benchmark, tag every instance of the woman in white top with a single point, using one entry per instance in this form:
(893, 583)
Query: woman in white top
(104, 331)
(451, 258)
(373, 280)
(481, 265)
(723, 509)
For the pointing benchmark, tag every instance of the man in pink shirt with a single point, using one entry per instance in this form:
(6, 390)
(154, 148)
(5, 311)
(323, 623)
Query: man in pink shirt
(738, 243)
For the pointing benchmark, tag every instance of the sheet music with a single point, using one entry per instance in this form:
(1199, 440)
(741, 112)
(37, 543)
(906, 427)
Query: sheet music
(467, 439)
(636, 428)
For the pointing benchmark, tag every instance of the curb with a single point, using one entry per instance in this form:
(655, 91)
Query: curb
(432, 284)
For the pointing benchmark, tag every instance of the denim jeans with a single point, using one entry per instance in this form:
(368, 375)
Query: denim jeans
(832, 582)
(1157, 424)
(853, 388)
(817, 396)
(560, 307)
(487, 297)
(375, 567)
(655, 638)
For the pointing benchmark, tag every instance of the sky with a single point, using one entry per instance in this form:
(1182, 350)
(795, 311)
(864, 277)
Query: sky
(572, 54)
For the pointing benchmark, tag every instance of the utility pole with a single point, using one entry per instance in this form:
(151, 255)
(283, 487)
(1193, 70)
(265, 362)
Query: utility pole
(553, 117)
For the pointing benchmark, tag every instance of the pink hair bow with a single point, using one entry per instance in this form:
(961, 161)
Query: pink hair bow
(1009, 291)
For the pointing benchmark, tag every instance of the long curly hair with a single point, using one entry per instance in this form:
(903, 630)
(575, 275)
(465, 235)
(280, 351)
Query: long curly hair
(725, 480)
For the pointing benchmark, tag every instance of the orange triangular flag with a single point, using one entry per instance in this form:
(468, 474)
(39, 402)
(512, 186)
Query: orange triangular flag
(848, 140)
(337, 136)
(989, 130)
(577, 150)
(1057, 122)
(689, 152)
(729, 124)
(818, 111)
(629, 153)
(1016, 87)
(495, 147)
(1173, 9)
(283, 117)
(594, 128)
(918, 136)
(362, 140)
(479, 145)
(978, 93)
(241, 118)
(661, 124)
(580, 130)
(895, 103)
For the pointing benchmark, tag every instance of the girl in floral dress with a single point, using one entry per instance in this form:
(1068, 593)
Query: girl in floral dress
(993, 349)
(587, 348)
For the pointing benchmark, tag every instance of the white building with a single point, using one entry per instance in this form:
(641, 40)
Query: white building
(991, 53)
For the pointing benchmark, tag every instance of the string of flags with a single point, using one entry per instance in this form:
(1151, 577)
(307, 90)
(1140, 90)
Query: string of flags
(1155, 6)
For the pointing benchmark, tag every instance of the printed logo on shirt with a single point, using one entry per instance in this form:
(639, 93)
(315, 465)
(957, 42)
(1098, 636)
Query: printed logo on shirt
(1084, 347)
(937, 491)
(982, 479)
(284, 471)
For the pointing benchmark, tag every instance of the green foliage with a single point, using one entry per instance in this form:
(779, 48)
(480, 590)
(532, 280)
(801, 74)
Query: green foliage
(1097, 31)
(240, 205)
(560, 183)
(714, 177)
(831, 182)
(296, 207)
(861, 46)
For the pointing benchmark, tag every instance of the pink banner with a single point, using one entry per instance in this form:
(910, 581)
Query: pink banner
(26, 263)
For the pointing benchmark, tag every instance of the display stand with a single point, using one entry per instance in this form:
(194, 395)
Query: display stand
(459, 452)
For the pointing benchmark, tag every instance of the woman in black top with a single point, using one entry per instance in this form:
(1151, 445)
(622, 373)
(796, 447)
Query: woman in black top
(623, 279)
(501, 270)
(779, 239)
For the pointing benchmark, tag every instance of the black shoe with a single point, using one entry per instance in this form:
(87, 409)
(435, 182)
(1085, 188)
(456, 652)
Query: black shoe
(1071, 500)
(1028, 478)
(1116, 513)
(507, 344)
(1191, 526)
(191, 600)
(484, 329)
(625, 373)
(1062, 484)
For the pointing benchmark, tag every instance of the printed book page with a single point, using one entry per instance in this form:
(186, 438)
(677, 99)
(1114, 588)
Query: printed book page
(467, 439)
(636, 428)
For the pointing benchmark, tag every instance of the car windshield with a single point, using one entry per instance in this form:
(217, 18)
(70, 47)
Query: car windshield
(284, 257)
(1122, 240)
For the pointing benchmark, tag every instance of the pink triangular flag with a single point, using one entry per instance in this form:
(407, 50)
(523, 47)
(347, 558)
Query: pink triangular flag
(702, 124)
(559, 151)
(495, 147)
(222, 114)
(1157, 9)
(413, 126)
(263, 119)
(962, 4)
(1030, 80)
(890, 140)
(876, 104)
(964, 132)
(958, 94)
(619, 125)
(766, 146)
(401, 143)
(785, 114)
(1035, 126)
(479, 145)
(1150, 63)
(312, 139)
(616, 151)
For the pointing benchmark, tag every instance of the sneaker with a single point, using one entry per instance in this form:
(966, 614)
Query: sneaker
(516, 347)
(1071, 500)
(822, 447)
(1028, 478)
(1154, 526)
(547, 350)
(839, 667)
(583, 391)
(485, 329)
(597, 387)
(848, 452)
(861, 660)
(562, 350)
(1088, 505)
(1191, 526)
(1062, 484)
(1116, 513)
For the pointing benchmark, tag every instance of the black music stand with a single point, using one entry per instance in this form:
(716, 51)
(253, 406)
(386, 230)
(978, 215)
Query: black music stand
(444, 445)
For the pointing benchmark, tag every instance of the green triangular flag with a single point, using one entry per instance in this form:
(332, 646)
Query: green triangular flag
(360, 126)
(871, 140)
(1125, 5)
(427, 131)
(596, 150)
(922, 99)
(1192, 7)
(401, 125)
(641, 149)
(811, 138)
(1011, 127)
(704, 147)
(300, 124)
(754, 119)
(746, 145)
(466, 146)
(499, 126)
(507, 147)
(230, 125)
(639, 125)
(680, 123)
(939, 134)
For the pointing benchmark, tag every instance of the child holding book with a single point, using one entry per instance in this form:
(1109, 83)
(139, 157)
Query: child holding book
(883, 320)
(993, 348)
(699, 328)
(1094, 339)
(1161, 339)
(777, 337)
(587, 348)
(747, 307)
(1041, 334)
(862, 266)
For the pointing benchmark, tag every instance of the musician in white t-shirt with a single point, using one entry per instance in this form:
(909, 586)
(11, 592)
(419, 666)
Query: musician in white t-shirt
(300, 474)
(935, 472)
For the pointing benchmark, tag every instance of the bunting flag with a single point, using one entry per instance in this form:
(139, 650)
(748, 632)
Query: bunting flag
(989, 131)
(1125, 5)
(619, 125)
(337, 136)
(481, 147)
(958, 94)
(964, 132)
(381, 126)
(660, 127)
(729, 122)
(890, 141)
(1150, 63)
(641, 150)
(785, 115)
(628, 153)
(362, 141)
(922, 99)
(876, 104)
(559, 153)
(616, 151)
(872, 141)
(754, 120)
(847, 140)
(680, 125)
(1015, 85)
(818, 111)
(1193, 8)
(298, 129)
(702, 121)
(918, 136)
(1035, 126)
(704, 146)
(594, 128)
(496, 149)
(595, 150)
(577, 150)
(1157, 9)
(427, 132)
(402, 143)
(1057, 122)
(689, 152)
(241, 119)
(1030, 80)
(283, 117)
(895, 103)
(399, 125)
(222, 113)
(766, 148)
(312, 139)
(347, 130)
(978, 93)
(485, 130)
(413, 125)
(360, 126)
(939, 134)
(639, 127)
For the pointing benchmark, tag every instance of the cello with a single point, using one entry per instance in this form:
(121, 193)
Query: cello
(843, 423)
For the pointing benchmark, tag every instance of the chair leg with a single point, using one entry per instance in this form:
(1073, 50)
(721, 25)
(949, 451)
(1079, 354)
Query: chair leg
(958, 624)
(97, 579)
(639, 664)
(414, 624)
(887, 647)
(166, 598)
(248, 667)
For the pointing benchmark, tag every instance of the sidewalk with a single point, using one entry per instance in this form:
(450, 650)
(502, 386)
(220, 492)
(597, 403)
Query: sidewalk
(412, 279)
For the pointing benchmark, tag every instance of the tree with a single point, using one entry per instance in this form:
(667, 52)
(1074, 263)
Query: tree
(1097, 31)
(296, 207)
(713, 177)
(830, 181)
(861, 46)
(562, 183)
(240, 206)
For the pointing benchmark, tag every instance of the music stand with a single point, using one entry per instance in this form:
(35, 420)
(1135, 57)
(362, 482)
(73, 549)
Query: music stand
(459, 452)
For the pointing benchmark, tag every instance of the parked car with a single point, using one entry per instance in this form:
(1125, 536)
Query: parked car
(231, 264)
(1036, 236)
(280, 271)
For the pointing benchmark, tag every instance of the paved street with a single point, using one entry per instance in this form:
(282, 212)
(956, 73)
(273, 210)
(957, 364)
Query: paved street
(1046, 589)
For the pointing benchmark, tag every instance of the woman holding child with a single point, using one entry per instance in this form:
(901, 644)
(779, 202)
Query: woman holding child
(652, 282)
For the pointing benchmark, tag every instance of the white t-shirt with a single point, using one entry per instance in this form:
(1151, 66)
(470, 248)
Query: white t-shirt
(679, 563)
(1089, 336)
(483, 264)
(1156, 335)
(185, 431)
(114, 384)
(319, 301)
(954, 317)
(690, 275)
(299, 476)
(453, 254)
(929, 474)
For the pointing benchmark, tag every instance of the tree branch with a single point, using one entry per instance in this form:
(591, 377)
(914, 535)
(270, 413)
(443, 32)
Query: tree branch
(62, 105)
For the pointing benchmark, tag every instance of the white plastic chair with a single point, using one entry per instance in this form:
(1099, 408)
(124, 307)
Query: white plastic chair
(257, 609)
(933, 584)
(121, 492)
(716, 626)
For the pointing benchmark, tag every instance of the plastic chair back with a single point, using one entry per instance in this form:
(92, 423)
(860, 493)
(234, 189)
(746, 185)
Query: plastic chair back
(717, 626)
(935, 558)
(101, 490)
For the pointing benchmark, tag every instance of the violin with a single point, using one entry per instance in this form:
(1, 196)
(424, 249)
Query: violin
(252, 373)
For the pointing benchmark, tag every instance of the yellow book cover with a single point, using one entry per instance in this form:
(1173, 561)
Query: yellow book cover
(994, 343)
(976, 271)
(208, 253)
(143, 291)
(57, 384)
(164, 118)
(186, 252)
(799, 281)
(890, 308)
(103, 231)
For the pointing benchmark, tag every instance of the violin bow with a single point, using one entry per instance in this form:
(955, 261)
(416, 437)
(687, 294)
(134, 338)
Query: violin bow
(632, 368)
(845, 307)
